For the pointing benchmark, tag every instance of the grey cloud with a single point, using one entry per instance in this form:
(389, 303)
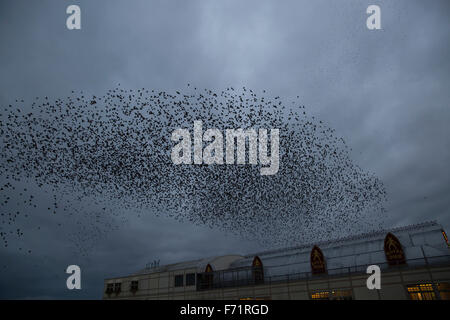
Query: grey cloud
(386, 92)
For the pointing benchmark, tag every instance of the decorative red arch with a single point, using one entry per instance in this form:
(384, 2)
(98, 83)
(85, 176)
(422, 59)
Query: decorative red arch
(257, 270)
(208, 277)
(257, 262)
(317, 261)
(208, 268)
(393, 250)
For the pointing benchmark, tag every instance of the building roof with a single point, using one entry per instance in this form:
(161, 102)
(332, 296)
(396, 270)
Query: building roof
(362, 236)
(216, 262)
(419, 241)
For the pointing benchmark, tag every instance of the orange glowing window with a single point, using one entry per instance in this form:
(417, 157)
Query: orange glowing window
(444, 290)
(323, 295)
(332, 295)
(423, 291)
(342, 294)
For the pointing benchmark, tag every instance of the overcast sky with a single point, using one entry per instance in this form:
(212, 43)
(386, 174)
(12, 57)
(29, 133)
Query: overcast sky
(386, 92)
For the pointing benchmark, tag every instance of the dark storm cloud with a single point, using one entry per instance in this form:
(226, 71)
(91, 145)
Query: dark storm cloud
(384, 91)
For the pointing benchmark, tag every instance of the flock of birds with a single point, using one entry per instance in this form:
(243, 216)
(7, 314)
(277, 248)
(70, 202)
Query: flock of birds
(115, 149)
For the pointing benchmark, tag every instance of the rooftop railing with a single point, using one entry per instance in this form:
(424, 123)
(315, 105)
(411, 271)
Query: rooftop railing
(245, 276)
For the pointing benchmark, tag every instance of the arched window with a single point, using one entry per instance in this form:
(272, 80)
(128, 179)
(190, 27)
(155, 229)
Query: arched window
(317, 261)
(393, 250)
(257, 270)
(208, 277)
(208, 268)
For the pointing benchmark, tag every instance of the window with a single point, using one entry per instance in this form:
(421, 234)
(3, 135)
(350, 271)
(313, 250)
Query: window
(190, 279)
(332, 295)
(208, 278)
(179, 280)
(257, 270)
(342, 295)
(134, 286)
(323, 295)
(317, 261)
(393, 250)
(445, 238)
(423, 291)
(109, 288)
(444, 290)
(117, 287)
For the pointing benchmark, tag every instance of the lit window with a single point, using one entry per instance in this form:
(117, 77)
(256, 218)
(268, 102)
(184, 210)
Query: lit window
(444, 290)
(190, 279)
(423, 291)
(323, 295)
(332, 295)
(342, 295)
(179, 280)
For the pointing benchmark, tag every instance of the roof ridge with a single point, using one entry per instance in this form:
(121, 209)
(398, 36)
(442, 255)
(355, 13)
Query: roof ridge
(305, 245)
(346, 238)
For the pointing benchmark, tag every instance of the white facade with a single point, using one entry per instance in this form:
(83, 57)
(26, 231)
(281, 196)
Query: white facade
(287, 273)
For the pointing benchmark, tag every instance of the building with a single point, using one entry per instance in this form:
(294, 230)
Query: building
(414, 263)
